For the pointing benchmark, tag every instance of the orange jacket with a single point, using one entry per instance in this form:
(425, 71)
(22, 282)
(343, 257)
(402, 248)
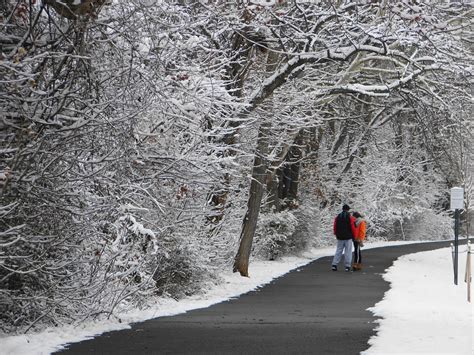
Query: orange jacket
(361, 228)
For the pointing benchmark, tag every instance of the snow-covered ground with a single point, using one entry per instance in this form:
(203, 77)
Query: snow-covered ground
(423, 312)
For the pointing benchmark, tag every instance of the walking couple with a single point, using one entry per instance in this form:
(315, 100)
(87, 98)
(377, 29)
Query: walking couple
(350, 232)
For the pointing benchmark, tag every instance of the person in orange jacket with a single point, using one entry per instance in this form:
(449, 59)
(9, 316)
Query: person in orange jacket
(344, 230)
(359, 237)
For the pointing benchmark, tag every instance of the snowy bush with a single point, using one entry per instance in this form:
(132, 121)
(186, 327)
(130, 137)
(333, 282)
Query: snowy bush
(427, 225)
(275, 235)
(179, 273)
(309, 229)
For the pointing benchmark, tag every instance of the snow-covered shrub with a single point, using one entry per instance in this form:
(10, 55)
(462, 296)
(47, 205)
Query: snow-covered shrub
(275, 235)
(151, 263)
(427, 225)
(309, 232)
(178, 273)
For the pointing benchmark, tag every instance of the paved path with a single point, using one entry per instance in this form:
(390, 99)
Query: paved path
(311, 310)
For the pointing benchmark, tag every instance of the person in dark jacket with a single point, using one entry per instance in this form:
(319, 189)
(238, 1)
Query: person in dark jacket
(344, 230)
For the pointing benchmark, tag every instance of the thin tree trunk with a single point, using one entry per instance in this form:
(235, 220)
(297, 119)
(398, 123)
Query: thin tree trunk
(241, 261)
(294, 173)
(273, 186)
(257, 187)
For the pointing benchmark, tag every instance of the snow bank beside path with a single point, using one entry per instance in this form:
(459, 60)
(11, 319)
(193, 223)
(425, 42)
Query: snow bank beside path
(424, 312)
(261, 273)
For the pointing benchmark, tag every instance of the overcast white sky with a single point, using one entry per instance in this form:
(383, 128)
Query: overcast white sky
(423, 312)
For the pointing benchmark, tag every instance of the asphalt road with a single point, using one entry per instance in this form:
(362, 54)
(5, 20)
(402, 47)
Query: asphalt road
(311, 310)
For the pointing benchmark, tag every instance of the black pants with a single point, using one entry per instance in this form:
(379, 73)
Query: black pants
(357, 253)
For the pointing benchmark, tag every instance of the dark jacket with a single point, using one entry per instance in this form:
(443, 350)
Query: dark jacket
(344, 226)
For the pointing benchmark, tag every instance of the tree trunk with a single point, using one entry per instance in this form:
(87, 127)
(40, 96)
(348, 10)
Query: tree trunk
(289, 181)
(257, 186)
(294, 175)
(241, 261)
(273, 190)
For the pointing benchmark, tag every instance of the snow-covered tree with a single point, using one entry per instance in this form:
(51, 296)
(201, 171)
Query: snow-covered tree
(364, 59)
